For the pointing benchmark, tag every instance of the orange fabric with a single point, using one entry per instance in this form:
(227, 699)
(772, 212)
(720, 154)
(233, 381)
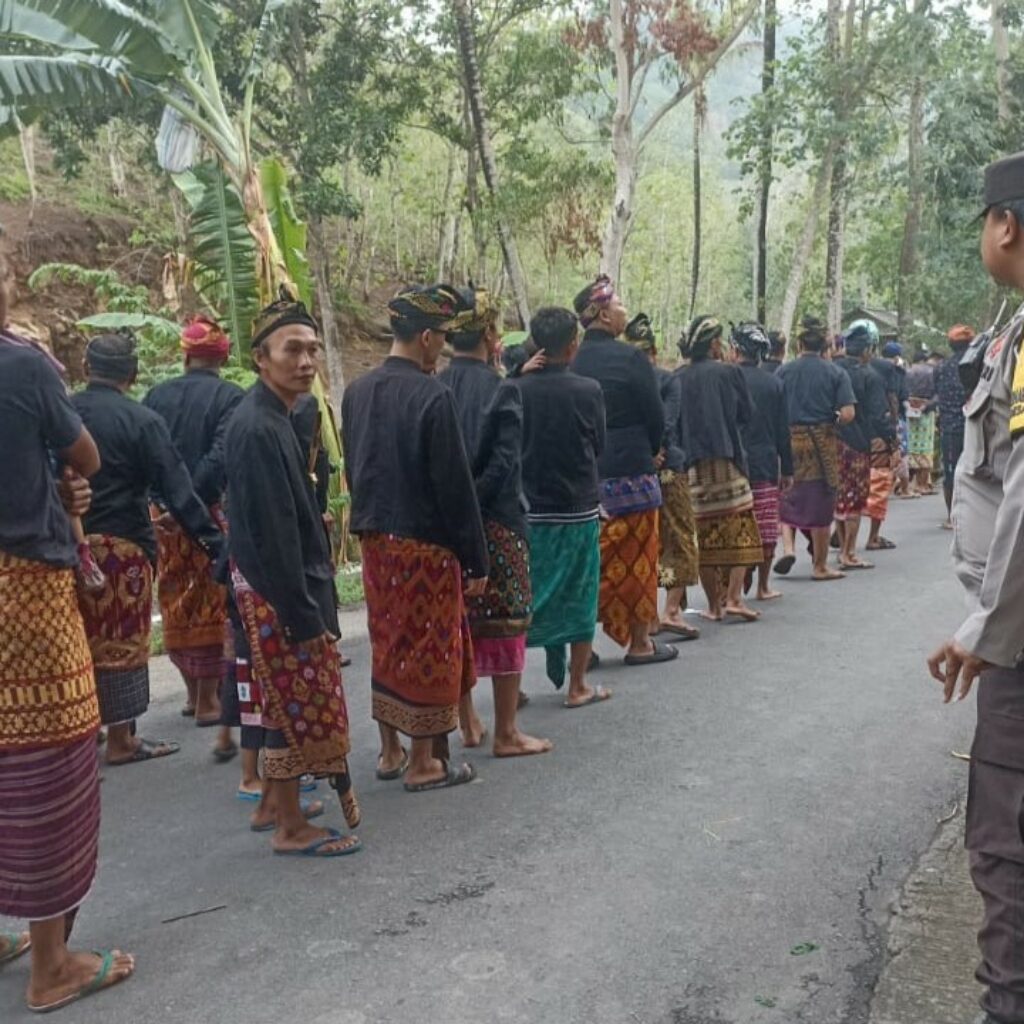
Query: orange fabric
(629, 573)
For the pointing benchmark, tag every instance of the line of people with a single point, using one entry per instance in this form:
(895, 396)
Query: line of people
(495, 514)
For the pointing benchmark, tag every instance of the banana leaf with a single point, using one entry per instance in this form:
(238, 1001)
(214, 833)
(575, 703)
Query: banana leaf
(289, 231)
(223, 249)
(188, 25)
(132, 321)
(106, 27)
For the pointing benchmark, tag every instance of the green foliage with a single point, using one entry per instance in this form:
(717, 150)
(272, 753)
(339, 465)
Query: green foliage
(288, 229)
(349, 586)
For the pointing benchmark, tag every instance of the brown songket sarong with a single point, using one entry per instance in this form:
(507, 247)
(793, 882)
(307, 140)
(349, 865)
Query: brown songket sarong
(727, 533)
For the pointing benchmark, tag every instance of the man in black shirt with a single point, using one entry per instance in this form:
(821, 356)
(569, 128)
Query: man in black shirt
(872, 423)
(491, 416)
(777, 345)
(630, 491)
(415, 510)
(196, 408)
(563, 438)
(138, 459)
(767, 444)
(283, 585)
(950, 395)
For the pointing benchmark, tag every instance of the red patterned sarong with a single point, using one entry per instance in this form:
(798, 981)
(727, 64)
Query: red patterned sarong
(422, 651)
(192, 605)
(854, 482)
(118, 618)
(766, 513)
(301, 692)
(629, 573)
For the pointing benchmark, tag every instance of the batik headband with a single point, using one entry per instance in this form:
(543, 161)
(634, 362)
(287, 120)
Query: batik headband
(425, 308)
(287, 310)
(592, 300)
(640, 333)
(112, 365)
(481, 311)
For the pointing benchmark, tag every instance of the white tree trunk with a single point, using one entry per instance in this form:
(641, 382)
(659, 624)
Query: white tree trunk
(1001, 46)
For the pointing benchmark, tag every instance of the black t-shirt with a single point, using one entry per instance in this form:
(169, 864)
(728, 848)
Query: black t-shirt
(36, 420)
(815, 389)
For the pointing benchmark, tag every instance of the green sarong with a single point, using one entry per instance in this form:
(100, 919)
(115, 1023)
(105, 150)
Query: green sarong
(565, 576)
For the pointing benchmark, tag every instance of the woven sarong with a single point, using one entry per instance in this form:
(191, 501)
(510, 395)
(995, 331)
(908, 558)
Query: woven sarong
(301, 693)
(498, 620)
(881, 480)
(677, 533)
(810, 503)
(629, 573)
(49, 828)
(118, 620)
(422, 650)
(47, 692)
(854, 482)
(565, 577)
(727, 533)
(921, 440)
(766, 513)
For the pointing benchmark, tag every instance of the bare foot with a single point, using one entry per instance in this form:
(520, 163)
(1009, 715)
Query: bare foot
(711, 616)
(587, 695)
(823, 575)
(254, 788)
(75, 973)
(474, 734)
(265, 818)
(742, 611)
(520, 745)
(768, 595)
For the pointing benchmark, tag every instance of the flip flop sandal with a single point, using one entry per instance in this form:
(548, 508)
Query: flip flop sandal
(309, 809)
(188, 712)
(345, 661)
(225, 755)
(394, 773)
(785, 564)
(523, 700)
(594, 662)
(677, 634)
(12, 942)
(307, 783)
(883, 544)
(844, 566)
(248, 797)
(661, 653)
(98, 982)
(599, 696)
(206, 723)
(452, 777)
(148, 751)
(315, 848)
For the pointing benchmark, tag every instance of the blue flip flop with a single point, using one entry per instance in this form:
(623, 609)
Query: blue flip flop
(249, 797)
(313, 850)
(307, 810)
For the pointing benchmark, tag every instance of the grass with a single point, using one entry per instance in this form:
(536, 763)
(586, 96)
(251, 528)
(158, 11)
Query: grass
(349, 583)
(156, 639)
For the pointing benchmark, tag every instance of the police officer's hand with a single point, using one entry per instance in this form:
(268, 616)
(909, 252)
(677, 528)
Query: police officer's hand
(952, 662)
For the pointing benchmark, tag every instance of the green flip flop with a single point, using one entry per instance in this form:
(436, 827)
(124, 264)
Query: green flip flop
(11, 942)
(98, 982)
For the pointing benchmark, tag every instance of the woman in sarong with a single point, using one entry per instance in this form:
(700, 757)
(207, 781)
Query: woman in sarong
(715, 405)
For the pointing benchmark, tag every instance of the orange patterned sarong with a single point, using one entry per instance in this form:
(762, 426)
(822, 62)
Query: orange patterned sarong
(192, 604)
(629, 573)
(47, 692)
(422, 651)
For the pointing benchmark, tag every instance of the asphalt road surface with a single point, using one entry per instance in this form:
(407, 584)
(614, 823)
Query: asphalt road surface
(718, 843)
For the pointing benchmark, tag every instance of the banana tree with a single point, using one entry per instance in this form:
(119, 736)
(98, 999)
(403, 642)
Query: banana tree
(75, 53)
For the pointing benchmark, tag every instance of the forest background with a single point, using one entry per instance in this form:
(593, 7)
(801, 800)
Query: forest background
(737, 157)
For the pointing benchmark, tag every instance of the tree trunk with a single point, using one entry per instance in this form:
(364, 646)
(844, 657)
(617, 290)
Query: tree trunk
(624, 151)
(805, 247)
(698, 124)
(320, 265)
(446, 235)
(474, 87)
(1001, 46)
(765, 169)
(912, 219)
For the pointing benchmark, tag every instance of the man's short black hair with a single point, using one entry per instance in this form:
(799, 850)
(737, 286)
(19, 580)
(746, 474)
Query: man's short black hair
(777, 340)
(465, 341)
(554, 329)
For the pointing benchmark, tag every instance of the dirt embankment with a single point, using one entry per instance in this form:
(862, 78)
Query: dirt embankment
(60, 234)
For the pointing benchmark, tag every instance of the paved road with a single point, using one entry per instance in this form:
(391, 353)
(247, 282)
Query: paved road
(772, 788)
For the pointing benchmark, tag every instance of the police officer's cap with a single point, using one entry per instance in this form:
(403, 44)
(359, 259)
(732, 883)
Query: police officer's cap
(1004, 180)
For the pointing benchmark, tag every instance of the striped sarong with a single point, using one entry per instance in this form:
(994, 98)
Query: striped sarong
(727, 533)
(766, 513)
(49, 828)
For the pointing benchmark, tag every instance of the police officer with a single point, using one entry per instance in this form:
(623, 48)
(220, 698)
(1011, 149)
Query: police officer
(988, 551)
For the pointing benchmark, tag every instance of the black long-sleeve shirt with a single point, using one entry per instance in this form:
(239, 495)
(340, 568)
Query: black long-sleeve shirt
(138, 458)
(197, 408)
(406, 463)
(715, 406)
(563, 437)
(766, 436)
(668, 387)
(277, 536)
(491, 416)
(872, 419)
(634, 415)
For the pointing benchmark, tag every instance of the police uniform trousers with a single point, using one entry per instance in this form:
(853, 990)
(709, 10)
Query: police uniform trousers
(995, 840)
